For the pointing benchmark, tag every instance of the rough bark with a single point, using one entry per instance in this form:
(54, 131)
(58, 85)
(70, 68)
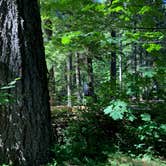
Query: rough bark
(25, 130)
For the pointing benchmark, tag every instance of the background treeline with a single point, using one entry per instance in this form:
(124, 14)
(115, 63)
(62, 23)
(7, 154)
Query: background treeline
(110, 57)
(92, 46)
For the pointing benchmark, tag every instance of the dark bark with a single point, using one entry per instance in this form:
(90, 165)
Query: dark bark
(113, 63)
(25, 132)
(90, 77)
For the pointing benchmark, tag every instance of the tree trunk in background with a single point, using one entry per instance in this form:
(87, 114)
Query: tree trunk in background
(120, 71)
(48, 29)
(113, 64)
(78, 78)
(140, 61)
(90, 76)
(51, 78)
(69, 79)
(25, 128)
(134, 54)
(51, 83)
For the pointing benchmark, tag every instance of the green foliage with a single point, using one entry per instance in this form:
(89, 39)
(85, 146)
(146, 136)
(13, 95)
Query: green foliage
(119, 110)
(135, 115)
(90, 138)
(85, 140)
(6, 97)
(147, 72)
(54, 163)
(145, 9)
(67, 38)
(116, 109)
(141, 132)
(152, 47)
(146, 117)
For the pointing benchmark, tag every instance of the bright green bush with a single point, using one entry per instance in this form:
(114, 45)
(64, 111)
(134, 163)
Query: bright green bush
(141, 132)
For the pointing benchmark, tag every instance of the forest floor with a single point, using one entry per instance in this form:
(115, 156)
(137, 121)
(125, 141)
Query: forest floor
(70, 150)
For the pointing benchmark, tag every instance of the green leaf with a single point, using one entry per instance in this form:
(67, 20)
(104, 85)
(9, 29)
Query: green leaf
(152, 47)
(108, 110)
(66, 40)
(145, 9)
(147, 72)
(116, 109)
(7, 87)
(163, 127)
(146, 117)
(12, 82)
(117, 9)
(116, 115)
(131, 117)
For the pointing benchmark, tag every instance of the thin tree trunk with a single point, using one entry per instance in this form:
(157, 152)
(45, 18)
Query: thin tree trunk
(48, 29)
(120, 71)
(135, 69)
(113, 64)
(69, 79)
(51, 84)
(78, 77)
(90, 76)
(25, 128)
(140, 61)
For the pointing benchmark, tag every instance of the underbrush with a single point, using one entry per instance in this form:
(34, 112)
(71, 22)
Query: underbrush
(116, 159)
(91, 138)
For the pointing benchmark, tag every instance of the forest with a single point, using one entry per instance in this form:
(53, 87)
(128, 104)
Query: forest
(82, 83)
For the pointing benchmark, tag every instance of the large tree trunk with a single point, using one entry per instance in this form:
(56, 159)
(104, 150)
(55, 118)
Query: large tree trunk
(25, 129)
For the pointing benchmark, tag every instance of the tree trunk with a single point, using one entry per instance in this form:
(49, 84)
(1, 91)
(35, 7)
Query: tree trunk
(51, 86)
(135, 70)
(120, 71)
(90, 76)
(113, 64)
(69, 79)
(48, 30)
(78, 78)
(25, 132)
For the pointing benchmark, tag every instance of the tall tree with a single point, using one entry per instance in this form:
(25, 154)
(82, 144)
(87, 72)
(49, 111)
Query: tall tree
(25, 132)
(69, 79)
(90, 76)
(78, 77)
(113, 63)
